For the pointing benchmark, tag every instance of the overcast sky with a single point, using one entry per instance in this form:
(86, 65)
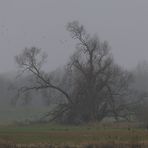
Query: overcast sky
(41, 23)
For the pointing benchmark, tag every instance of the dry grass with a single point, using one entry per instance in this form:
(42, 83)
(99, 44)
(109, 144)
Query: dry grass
(90, 136)
(86, 145)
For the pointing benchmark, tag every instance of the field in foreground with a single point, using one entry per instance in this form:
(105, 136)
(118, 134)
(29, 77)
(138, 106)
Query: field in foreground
(93, 135)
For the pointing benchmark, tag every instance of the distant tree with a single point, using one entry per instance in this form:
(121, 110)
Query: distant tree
(140, 74)
(93, 86)
(141, 110)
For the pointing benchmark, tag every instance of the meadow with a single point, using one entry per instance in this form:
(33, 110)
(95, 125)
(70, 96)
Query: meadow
(13, 134)
(105, 135)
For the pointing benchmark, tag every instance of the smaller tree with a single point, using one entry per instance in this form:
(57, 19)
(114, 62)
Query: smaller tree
(31, 60)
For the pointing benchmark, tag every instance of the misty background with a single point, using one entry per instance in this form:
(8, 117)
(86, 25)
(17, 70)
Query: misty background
(42, 23)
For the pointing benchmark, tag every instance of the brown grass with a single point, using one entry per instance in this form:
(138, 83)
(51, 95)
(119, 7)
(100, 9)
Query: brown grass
(86, 145)
(92, 136)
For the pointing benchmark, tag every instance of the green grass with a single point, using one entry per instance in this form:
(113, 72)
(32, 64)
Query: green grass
(57, 134)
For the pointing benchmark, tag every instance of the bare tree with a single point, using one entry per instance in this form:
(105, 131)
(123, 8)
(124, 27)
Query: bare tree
(93, 85)
(31, 60)
(101, 87)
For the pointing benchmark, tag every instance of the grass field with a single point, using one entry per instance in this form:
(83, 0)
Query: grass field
(105, 135)
(93, 134)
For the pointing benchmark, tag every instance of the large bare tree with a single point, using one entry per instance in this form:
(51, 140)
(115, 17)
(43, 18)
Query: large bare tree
(93, 85)
(101, 87)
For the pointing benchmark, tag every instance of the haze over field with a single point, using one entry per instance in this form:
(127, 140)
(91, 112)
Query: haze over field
(73, 73)
(41, 23)
(26, 26)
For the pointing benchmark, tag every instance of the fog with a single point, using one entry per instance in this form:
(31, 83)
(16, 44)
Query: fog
(41, 23)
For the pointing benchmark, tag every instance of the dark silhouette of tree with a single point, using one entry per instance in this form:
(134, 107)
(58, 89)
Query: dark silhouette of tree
(93, 85)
